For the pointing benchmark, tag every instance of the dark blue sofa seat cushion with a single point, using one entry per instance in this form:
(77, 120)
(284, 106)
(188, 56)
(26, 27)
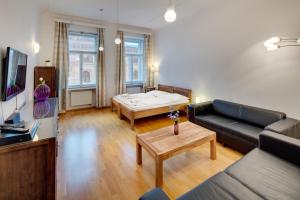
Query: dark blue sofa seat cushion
(243, 130)
(268, 176)
(217, 120)
(220, 187)
(155, 194)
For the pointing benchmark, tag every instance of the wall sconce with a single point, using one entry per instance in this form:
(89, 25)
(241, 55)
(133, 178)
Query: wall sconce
(200, 99)
(36, 47)
(275, 43)
(155, 68)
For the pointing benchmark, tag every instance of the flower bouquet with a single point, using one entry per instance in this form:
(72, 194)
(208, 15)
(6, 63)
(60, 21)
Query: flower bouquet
(174, 116)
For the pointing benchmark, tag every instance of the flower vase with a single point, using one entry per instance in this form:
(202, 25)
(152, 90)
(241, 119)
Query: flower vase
(41, 109)
(176, 128)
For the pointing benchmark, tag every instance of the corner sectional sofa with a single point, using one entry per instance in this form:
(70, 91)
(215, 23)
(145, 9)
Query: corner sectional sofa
(271, 171)
(239, 126)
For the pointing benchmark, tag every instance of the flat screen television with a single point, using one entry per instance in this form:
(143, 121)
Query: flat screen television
(14, 74)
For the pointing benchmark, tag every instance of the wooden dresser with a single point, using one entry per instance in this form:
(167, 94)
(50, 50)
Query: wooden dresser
(28, 169)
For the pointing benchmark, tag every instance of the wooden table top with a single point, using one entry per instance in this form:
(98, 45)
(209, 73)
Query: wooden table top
(162, 142)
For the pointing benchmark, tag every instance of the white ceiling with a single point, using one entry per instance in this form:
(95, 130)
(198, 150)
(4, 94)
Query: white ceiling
(144, 13)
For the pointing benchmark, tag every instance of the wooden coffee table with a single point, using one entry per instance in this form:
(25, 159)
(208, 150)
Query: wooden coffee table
(162, 144)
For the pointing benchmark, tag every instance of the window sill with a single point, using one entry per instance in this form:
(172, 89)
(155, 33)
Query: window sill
(81, 88)
(139, 84)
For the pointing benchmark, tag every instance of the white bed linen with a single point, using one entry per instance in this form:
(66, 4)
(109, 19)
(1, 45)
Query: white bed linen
(152, 99)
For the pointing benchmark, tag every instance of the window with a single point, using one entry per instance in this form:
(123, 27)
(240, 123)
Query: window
(82, 60)
(134, 60)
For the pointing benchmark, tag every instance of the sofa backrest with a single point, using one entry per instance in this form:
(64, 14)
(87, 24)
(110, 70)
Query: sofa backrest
(226, 108)
(258, 116)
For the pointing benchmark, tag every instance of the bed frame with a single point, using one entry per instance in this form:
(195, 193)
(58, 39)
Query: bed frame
(133, 115)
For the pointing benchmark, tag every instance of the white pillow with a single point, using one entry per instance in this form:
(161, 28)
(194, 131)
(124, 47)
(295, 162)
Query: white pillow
(157, 92)
(178, 97)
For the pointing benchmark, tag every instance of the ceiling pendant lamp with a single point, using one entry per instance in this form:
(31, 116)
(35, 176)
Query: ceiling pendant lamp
(117, 39)
(101, 48)
(170, 15)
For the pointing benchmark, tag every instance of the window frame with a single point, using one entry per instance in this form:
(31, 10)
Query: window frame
(141, 41)
(81, 53)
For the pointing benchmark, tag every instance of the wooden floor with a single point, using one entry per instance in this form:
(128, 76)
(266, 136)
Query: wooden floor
(96, 159)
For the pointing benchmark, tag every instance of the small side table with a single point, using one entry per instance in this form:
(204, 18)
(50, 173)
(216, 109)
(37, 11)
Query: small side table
(148, 89)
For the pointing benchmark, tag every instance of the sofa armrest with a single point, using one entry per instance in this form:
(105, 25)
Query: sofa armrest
(155, 194)
(281, 146)
(199, 108)
(288, 126)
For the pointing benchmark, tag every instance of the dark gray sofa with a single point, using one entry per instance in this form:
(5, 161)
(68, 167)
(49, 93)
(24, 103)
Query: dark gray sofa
(239, 126)
(271, 171)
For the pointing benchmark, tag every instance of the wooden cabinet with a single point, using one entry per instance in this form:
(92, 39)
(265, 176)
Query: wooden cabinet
(49, 74)
(28, 169)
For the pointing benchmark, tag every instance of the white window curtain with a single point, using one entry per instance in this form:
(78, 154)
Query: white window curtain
(101, 78)
(61, 61)
(148, 74)
(120, 79)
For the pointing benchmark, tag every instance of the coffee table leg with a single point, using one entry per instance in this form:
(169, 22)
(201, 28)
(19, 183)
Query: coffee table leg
(213, 149)
(158, 172)
(138, 153)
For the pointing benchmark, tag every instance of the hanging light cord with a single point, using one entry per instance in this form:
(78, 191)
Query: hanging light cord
(118, 12)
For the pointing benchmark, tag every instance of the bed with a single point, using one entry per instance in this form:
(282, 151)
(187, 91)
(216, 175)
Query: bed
(136, 106)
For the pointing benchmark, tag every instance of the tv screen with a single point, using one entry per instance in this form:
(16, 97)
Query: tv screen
(14, 73)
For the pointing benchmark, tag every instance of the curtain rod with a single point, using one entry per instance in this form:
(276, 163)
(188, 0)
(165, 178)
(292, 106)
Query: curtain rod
(99, 26)
(133, 31)
(79, 23)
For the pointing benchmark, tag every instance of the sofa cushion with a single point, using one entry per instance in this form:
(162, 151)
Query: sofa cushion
(268, 176)
(279, 145)
(260, 117)
(226, 108)
(155, 194)
(214, 119)
(288, 126)
(220, 187)
(246, 131)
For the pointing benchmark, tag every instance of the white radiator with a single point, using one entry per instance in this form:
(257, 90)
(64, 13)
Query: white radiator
(81, 98)
(134, 89)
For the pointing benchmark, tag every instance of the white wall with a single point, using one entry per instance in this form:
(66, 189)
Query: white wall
(219, 53)
(47, 42)
(19, 21)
